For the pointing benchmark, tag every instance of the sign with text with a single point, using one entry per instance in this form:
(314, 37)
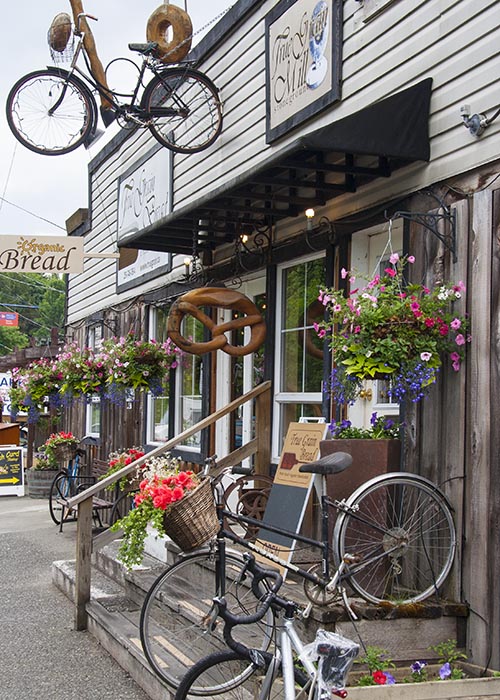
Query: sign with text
(9, 319)
(290, 492)
(11, 471)
(54, 254)
(144, 197)
(303, 61)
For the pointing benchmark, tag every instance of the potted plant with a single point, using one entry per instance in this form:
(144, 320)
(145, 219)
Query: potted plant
(374, 450)
(41, 475)
(60, 447)
(119, 459)
(175, 502)
(393, 330)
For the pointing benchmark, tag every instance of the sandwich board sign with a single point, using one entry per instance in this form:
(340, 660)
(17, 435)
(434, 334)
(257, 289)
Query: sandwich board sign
(291, 489)
(11, 471)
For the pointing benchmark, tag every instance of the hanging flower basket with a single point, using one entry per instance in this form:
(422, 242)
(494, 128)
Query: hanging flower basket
(193, 520)
(391, 330)
(63, 453)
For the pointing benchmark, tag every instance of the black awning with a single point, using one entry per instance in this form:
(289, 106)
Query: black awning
(337, 158)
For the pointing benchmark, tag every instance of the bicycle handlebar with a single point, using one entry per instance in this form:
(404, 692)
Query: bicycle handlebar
(78, 20)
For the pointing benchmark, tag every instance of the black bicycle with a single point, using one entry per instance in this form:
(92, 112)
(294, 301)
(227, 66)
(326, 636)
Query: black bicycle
(53, 111)
(393, 540)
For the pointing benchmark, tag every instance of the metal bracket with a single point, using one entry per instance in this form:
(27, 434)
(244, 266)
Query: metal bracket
(431, 222)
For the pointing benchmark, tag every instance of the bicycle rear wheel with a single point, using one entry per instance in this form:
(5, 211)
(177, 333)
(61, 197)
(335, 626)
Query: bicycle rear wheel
(185, 109)
(30, 119)
(176, 626)
(219, 670)
(400, 531)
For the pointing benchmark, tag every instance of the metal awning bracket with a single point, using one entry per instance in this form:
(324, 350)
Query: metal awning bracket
(447, 234)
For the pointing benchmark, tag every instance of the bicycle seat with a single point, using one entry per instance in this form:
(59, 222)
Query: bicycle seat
(149, 48)
(331, 464)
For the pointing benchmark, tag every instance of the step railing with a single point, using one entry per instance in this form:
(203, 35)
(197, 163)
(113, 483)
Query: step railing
(260, 446)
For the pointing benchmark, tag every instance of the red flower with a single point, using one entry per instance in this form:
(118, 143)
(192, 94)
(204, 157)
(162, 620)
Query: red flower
(379, 677)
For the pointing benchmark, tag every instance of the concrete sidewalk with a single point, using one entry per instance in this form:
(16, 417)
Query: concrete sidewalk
(41, 655)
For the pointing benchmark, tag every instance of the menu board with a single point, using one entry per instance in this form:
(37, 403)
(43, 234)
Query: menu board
(11, 471)
(290, 492)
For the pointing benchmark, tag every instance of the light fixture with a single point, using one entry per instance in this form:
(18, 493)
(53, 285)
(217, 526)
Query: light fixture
(252, 249)
(310, 216)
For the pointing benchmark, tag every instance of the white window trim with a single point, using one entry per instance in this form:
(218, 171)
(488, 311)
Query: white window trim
(281, 397)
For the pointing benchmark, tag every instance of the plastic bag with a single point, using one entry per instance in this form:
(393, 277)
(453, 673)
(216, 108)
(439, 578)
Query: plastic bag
(334, 655)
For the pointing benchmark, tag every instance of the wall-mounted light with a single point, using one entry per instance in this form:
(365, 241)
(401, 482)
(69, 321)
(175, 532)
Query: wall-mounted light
(309, 216)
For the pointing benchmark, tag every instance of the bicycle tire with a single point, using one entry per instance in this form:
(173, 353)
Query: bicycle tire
(219, 669)
(174, 619)
(62, 487)
(70, 126)
(401, 531)
(192, 92)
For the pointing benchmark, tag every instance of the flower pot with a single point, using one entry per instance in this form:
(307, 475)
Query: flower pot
(369, 458)
(63, 453)
(39, 482)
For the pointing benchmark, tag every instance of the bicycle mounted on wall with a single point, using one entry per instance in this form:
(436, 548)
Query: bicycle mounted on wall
(54, 111)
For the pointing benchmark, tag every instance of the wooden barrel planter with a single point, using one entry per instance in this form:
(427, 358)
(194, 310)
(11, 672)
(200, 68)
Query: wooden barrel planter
(39, 482)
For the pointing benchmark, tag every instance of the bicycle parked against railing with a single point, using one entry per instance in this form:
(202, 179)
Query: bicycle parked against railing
(317, 671)
(393, 540)
(64, 485)
(53, 111)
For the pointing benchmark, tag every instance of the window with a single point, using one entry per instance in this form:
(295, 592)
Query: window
(158, 407)
(93, 409)
(299, 363)
(190, 383)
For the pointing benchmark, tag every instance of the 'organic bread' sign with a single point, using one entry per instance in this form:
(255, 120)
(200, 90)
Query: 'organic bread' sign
(41, 254)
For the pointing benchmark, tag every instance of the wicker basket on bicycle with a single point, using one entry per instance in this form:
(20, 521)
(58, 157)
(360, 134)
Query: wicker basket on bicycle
(192, 521)
(63, 453)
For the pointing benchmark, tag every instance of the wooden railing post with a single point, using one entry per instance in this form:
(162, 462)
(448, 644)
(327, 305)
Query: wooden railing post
(83, 562)
(263, 432)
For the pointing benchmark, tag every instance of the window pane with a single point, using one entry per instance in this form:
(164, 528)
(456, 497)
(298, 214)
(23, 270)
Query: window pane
(160, 413)
(190, 384)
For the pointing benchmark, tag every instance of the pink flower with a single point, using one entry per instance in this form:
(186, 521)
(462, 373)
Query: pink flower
(455, 324)
(394, 258)
(357, 329)
(460, 339)
(425, 356)
(343, 273)
(411, 259)
(390, 272)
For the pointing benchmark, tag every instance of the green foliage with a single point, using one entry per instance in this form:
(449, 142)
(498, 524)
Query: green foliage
(381, 428)
(448, 652)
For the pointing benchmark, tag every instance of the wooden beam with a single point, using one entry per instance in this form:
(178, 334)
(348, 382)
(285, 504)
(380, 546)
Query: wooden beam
(83, 563)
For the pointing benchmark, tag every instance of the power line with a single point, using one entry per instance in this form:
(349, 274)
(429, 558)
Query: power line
(27, 211)
(33, 284)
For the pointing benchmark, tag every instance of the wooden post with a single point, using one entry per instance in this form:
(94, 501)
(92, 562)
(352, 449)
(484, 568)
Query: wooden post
(263, 432)
(95, 62)
(83, 561)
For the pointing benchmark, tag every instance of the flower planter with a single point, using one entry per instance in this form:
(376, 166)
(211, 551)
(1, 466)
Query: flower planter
(369, 458)
(40, 481)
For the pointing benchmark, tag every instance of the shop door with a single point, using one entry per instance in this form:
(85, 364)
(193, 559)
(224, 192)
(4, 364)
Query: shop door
(370, 253)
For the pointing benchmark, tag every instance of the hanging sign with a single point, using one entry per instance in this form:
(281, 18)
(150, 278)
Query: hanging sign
(9, 319)
(11, 471)
(291, 489)
(55, 254)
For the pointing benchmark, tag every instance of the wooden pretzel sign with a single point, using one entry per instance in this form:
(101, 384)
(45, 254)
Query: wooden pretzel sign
(190, 304)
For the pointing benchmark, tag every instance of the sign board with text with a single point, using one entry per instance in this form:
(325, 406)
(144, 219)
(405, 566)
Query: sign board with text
(53, 254)
(303, 61)
(291, 489)
(11, 471)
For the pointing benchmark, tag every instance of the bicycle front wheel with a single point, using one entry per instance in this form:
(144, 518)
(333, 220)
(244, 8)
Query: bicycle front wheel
(50, 112)
(400, 534)
(184, 108)
(177, 626)
(61, 489)
(220, 668)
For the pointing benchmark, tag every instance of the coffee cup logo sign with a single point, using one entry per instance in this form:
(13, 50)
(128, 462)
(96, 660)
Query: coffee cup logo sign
(56, 254)
(299, 57)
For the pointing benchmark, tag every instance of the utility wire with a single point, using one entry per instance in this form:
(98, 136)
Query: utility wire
(34, 284)
(27, 211)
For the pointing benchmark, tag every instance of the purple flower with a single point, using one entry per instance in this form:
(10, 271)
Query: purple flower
(418, 666)
(390, 680)
(445, 671)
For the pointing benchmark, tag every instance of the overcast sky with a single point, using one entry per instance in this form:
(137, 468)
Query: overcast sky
(53, 187)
